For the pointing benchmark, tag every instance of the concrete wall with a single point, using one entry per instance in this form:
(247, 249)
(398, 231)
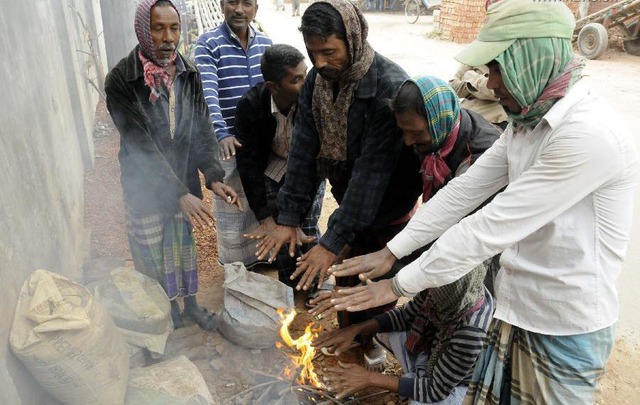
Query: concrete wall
(119, 36)
(46, 123)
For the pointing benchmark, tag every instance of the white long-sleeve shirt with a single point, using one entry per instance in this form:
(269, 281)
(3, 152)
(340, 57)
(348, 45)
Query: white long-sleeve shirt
(563, 221)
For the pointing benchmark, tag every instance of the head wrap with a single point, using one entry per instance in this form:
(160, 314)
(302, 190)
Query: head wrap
(155, 75)
(443, 119)
(509, 20)
(531, 40)
(443, 309)
(537, 72)
(331, 117)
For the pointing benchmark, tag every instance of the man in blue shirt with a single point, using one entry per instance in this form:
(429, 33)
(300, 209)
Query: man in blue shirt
(228, 58)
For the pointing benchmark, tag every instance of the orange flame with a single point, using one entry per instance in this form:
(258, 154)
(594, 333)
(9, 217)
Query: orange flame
(302, 344)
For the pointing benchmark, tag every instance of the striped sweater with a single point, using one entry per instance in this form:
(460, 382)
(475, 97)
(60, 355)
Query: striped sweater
(228, 71)
(455, 365)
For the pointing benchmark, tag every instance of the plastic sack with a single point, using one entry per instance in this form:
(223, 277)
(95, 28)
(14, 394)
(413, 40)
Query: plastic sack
(249, 315)
(69, 342)
(139, 307)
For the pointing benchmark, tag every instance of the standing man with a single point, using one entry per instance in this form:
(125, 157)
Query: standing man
(346, 132)
(563, 220)
(155, 98)
(229, 60)
(295, 8)
(264, 122)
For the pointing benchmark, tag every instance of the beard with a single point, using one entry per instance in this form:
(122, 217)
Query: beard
(163, 55)
(329, 73)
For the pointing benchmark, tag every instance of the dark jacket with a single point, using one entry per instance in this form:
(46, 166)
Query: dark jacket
(475, 136)
(255, 129)
(380, 182)
(155, 169)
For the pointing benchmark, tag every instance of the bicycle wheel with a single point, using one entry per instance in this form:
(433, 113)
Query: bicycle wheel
(412, 10)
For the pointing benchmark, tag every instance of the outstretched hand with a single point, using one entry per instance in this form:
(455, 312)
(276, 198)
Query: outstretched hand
(315, 262)
(338, 341)
(267, 226)
(370, 266)
(364, 297)
(271, 244)
(349, 379)
(227, 193)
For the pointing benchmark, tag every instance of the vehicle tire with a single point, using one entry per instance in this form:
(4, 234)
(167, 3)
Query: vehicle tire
(632, 46)
(593, 40)
(412, 10)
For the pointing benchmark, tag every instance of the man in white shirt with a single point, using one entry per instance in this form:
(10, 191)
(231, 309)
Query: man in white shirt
(563, 221)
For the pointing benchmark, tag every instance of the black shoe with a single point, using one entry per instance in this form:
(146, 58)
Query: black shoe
(175, 315)
(205, 320)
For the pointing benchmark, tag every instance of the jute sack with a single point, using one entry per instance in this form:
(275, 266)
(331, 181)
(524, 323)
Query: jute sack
(69, 342)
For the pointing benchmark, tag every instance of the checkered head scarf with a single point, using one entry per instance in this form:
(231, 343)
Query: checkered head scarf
(443, 111)
(155, 75)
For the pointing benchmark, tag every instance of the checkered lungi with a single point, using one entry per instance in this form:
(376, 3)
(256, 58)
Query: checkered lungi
(163, 248)
(520, 367)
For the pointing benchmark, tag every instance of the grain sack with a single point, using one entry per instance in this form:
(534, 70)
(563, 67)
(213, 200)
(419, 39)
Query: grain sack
(138, 305)
(69, 342)
(249, 316)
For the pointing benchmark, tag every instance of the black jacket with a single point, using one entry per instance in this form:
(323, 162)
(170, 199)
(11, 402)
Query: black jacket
(475, 136)
(255, 129)
(155, 169)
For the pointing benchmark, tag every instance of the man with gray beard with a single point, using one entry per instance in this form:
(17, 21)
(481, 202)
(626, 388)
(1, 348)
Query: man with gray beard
(155, 98)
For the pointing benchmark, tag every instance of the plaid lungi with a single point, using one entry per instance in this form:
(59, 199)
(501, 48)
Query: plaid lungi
(163, 248)
(521, 367)
(286, 264)
(232, 224)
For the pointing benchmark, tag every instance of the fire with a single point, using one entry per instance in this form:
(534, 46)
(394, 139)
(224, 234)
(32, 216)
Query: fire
(303, 362)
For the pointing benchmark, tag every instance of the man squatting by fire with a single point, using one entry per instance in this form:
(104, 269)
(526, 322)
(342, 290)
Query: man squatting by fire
(155, 98)
(569, 166)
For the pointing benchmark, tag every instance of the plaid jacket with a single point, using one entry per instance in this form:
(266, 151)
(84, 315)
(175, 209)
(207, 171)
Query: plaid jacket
(381, 182)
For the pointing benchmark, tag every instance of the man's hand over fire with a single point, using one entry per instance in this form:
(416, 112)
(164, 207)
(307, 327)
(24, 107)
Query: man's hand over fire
(315, 261)
(267, 226)
(322, 303)
(338, 341)
(370, 266)
(364, 297)
(274, 241)
(349, 379)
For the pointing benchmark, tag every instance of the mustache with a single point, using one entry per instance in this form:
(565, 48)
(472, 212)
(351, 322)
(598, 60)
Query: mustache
(329, 73)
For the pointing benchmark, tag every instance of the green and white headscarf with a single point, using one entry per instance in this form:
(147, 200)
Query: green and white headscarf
(538, 72)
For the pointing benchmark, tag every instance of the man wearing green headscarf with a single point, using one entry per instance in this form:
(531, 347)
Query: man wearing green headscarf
(563, 220)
